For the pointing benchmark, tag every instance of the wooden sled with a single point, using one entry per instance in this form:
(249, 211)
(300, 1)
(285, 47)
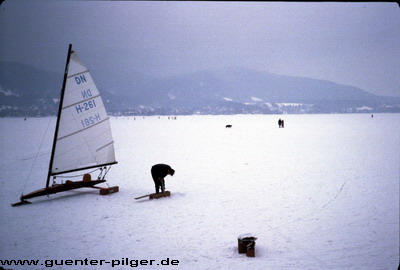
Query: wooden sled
(155, 195)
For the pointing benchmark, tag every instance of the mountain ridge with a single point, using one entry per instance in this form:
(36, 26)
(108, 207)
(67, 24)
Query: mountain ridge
(25, 90)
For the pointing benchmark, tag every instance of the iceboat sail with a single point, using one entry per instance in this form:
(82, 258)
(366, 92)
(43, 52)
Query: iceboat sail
(82, 138)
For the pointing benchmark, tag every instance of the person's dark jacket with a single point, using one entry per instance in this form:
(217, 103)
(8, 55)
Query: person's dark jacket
(160, 170)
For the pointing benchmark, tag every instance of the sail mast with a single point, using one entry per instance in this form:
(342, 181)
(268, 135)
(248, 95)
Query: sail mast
(58, 115)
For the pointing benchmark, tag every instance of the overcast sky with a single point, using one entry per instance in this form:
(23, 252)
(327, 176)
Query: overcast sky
(349, 43)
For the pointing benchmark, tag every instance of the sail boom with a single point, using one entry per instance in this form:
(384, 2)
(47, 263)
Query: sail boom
(85, 168)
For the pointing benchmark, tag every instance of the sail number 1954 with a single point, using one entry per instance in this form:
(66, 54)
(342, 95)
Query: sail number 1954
(91, 120)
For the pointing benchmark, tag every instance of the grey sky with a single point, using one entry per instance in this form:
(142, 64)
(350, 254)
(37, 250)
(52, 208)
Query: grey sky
(348, 43)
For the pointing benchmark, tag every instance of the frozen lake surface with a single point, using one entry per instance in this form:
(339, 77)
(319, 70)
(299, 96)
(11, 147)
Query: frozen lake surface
(321, 193)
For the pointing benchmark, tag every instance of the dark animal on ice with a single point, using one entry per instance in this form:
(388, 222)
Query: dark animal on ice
(228, 126)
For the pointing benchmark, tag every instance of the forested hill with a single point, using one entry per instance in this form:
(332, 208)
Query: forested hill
(26, 91)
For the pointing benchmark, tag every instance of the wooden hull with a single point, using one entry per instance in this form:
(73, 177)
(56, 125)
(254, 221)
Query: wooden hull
(69, 185)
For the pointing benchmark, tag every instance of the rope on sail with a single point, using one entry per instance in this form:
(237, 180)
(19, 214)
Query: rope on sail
(76, 175)
(37, 154)
(101, 175)
(106, 170)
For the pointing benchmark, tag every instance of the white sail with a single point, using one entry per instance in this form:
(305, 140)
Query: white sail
(84, 137)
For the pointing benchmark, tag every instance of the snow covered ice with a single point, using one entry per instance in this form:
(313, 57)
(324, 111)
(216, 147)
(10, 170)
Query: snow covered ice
(321, 193)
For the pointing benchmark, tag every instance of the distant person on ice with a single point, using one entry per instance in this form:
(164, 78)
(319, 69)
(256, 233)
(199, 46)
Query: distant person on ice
(281, 123)
(158, 172)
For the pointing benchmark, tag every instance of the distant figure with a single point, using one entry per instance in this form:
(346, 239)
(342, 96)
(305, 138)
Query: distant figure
(228, 126)
(281, 123)
(372, 116)
(158, 172)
